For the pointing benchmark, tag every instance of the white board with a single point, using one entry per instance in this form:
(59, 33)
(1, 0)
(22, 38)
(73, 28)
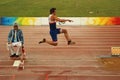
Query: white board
(16, 63)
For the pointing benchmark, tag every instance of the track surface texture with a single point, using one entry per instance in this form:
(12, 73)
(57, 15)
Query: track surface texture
(82, 61)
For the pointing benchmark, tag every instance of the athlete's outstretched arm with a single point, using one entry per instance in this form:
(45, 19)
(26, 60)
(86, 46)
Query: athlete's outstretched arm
(62, 20)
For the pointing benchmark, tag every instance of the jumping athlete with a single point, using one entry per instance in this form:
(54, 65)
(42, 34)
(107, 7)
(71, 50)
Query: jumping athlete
(54, 31)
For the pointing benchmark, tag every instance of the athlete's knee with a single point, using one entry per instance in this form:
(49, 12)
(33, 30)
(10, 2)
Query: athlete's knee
(55, 44)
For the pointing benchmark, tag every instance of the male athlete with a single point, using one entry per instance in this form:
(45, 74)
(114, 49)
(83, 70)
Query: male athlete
(54, 31)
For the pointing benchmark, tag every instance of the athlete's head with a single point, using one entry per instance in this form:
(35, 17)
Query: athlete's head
(52, 10)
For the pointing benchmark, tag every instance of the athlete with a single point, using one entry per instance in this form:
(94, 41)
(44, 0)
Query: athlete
(54, 31)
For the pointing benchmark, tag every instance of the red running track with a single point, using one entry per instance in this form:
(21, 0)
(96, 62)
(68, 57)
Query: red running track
(75, 62)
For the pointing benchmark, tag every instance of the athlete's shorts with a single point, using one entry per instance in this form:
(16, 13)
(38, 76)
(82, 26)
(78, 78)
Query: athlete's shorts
(54, 33)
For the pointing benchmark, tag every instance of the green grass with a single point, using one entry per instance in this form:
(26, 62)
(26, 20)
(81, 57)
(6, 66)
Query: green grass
(68, 8)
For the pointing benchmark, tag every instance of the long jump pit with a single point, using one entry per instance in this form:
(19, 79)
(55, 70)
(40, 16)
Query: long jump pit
(89, 59)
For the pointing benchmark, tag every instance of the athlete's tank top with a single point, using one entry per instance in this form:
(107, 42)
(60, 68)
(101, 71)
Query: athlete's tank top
(52, 24)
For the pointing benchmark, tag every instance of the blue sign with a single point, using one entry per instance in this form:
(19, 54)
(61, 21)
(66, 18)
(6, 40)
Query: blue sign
(8, 20)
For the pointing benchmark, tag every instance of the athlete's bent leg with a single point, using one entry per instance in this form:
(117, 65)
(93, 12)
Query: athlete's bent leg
(54, 43)
(67, 36)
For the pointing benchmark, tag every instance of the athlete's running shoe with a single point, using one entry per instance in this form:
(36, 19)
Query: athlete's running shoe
(43, 41)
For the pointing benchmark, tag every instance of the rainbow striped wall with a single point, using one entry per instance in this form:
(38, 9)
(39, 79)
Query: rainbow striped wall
(77, 20)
